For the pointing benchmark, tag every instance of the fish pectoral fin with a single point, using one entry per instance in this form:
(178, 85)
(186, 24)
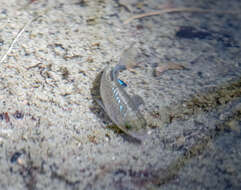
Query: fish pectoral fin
(137, 100)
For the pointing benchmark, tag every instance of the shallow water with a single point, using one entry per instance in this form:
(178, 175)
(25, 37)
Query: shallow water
(54, 135)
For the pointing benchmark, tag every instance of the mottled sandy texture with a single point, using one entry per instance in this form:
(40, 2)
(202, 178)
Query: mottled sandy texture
(54, 136)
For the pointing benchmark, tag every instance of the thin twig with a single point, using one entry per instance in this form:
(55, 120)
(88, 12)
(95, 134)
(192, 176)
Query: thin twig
(170, 66)
(182, 9)
(27, 5)
(16, 38)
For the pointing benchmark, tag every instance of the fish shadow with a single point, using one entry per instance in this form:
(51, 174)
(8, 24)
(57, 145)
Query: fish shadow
(95, 94)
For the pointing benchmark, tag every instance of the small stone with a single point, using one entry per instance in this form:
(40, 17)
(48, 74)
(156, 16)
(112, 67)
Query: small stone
(234, 126)
(180, 140)
(15, 157)
(18, 115)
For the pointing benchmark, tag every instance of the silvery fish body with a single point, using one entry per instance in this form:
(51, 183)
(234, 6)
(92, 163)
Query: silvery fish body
(120, 107)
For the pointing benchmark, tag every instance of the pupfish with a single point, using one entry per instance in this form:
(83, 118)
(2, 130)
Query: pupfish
(119, 106)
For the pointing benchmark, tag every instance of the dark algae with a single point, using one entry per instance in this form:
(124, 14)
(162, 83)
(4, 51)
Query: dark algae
(202, 102)
(189, 32)
(223, 38)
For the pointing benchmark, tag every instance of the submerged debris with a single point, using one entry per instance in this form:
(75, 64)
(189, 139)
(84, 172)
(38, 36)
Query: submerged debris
(179, 9)
(170, 66)
(18, 115)
(15, 157)
(6, 117)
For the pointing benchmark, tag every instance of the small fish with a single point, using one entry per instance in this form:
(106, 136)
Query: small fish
(120, 107)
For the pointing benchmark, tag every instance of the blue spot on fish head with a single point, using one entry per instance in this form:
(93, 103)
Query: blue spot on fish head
(122, 83)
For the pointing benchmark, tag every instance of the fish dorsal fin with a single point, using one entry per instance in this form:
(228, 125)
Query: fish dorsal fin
(128, 56)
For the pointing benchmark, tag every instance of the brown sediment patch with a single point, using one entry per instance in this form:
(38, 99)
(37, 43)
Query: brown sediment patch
(172, 170)
(205, 101)
(161, 176)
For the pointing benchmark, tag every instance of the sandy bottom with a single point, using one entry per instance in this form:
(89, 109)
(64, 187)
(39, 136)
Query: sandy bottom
(53, 135)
